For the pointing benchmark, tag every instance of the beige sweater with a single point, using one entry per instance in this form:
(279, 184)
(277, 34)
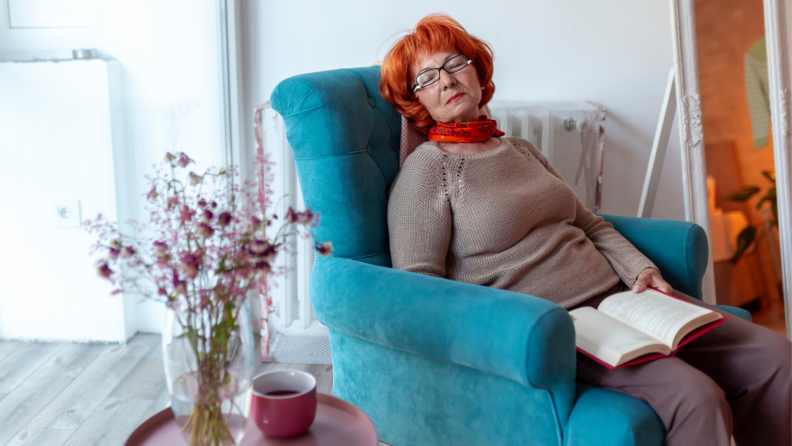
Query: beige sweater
(505, 219)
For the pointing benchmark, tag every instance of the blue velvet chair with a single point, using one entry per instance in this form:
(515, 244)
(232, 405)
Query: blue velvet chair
(432, 361)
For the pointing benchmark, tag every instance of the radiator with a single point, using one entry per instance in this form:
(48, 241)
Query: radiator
(295, 335)
(569, 134)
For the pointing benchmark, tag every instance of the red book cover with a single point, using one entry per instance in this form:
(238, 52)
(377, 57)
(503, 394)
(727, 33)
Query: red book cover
(652, 356)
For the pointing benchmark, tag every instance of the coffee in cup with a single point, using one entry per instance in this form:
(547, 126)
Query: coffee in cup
(284, 402)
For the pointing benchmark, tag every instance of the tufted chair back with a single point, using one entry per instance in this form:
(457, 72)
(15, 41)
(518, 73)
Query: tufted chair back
(346, 150)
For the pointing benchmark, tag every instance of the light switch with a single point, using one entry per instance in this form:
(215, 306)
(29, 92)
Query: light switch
(65, 214)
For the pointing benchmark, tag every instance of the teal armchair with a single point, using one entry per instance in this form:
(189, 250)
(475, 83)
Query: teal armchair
(434, 361)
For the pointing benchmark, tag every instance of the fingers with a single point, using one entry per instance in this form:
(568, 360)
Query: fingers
(651, 276)
(665, 287)
(641, 282)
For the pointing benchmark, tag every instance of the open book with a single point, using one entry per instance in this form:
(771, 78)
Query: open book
(646, 326)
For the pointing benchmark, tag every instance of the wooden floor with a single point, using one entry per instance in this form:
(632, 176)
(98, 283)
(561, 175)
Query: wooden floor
(772, 318)
(65, 394)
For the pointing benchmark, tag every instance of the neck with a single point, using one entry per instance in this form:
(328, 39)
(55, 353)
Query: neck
(471, 116)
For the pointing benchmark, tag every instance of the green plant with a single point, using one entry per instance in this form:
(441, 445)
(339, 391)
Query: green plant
(748, 235)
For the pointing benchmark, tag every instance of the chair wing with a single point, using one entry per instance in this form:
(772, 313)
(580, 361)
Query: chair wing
(345, 139)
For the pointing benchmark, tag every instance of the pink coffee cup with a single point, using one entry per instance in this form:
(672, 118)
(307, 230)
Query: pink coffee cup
(284, 402)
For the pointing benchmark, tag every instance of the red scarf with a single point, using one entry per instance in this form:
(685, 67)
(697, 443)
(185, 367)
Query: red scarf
(475, 131)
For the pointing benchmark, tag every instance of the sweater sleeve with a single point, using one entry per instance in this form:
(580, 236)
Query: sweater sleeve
(419, 216)
(625, 259)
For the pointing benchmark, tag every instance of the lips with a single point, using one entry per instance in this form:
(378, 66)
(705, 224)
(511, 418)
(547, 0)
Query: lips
(455, 98)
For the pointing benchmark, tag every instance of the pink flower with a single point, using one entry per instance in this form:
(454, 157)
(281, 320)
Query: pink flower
(261, 254)
(224, 219)
(244, 252)
(186, 214)
(325, 249)
(194, 179)
(160, 249)
(179, 286)
(204, 230)
(291, 216)
(259, 246)
(104, 271)
(306, 217)
(190, 265)
(263, 267)
(184, 160)
(128, 252)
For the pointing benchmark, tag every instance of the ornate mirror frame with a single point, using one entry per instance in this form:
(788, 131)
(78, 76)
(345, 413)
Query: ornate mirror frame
(694, 173)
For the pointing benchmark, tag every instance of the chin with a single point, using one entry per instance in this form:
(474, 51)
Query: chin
(463, 107)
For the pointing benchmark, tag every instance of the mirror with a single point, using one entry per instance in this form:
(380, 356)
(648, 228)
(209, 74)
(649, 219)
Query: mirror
(732, 79)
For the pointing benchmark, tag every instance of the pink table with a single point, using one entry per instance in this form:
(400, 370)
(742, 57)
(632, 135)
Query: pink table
(338, 423)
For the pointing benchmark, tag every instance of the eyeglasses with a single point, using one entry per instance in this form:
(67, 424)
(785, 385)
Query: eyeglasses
(432, 75)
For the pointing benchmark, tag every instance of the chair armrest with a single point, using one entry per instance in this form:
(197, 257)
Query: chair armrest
(739, 312)
(606, 417)
(516, 336)
(678, 248)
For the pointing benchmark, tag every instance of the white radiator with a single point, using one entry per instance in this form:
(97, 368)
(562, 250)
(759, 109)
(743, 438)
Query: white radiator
(569, 134)
(295, 335)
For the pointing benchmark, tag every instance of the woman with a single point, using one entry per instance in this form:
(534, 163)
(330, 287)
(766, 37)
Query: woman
(471, 206)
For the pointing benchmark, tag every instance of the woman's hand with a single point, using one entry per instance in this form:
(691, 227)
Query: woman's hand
(651, 277)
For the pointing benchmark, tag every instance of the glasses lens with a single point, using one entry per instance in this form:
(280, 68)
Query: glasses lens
(427, 78)
(455, 64)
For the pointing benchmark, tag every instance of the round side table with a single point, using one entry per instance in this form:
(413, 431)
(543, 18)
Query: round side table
(337, 423)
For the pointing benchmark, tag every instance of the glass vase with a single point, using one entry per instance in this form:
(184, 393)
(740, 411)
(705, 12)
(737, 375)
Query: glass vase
(209, 364)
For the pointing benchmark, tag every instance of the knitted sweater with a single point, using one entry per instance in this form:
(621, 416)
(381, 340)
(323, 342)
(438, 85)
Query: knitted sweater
(505, 219)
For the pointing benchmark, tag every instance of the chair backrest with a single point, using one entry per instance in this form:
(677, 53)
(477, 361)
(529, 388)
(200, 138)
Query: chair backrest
(345, 139)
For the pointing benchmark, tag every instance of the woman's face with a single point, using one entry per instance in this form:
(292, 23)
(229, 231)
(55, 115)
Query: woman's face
(455, 97)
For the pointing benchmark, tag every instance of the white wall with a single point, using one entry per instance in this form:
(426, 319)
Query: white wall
(617, 53)
(56, 145)
(165, 96)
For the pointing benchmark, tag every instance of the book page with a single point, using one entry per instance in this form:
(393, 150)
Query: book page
(608, 339)
(652, 312)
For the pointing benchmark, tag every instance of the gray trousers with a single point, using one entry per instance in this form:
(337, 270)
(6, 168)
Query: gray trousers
(733, 380)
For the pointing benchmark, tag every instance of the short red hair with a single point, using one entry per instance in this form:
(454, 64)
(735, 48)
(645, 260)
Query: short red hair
(435, 32)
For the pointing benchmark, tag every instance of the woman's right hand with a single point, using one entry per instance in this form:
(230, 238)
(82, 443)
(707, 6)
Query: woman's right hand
(651, 277)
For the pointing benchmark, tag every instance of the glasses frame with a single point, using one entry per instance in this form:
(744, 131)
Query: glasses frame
(418, 87)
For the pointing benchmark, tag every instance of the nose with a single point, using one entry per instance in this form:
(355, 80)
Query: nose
(446, 79)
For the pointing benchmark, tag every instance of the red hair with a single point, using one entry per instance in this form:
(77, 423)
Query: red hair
(435, 32)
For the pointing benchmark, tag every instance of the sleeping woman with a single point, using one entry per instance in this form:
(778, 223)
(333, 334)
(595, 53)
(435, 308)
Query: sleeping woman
(473, 206)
